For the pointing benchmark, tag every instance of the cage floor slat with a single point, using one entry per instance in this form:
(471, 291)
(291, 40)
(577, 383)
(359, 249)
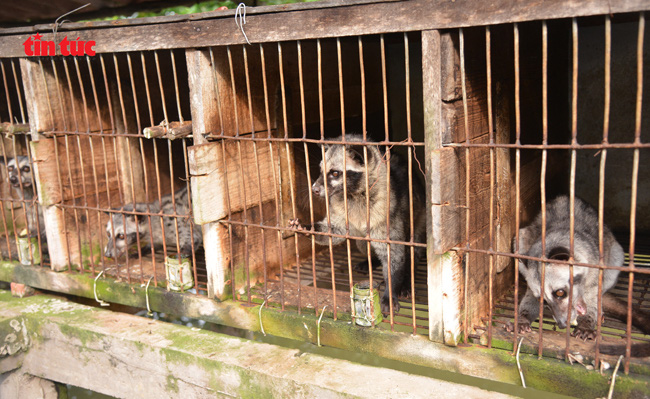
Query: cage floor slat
(613, 331)
(290, 288)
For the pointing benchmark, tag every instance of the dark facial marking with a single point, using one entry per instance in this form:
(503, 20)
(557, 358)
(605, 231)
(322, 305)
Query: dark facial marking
(559, 253)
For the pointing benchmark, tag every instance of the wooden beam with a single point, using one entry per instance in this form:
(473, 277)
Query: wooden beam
(203, 94)
(444, 274)
(301, 24)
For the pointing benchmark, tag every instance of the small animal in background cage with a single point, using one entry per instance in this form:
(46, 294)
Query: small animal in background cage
(332, 172)
(584, 304)
(20, 176)
(124, 228)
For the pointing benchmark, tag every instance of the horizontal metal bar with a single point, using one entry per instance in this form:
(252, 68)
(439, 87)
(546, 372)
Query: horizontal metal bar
(303, 232)
(520, 256)
(600, 146)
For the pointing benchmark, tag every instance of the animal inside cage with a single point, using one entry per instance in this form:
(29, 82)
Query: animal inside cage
(23, 230)
(563, 139)
(411, 159)
(113, 178)
(279, 109)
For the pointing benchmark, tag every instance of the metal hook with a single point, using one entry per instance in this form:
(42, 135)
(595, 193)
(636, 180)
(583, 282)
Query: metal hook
(240, 19)
(146, 295)
(102, 303)
(261, 306)
(319, 319)
(58, 24)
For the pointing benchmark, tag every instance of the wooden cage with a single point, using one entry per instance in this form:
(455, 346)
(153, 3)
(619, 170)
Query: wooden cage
(489, 109)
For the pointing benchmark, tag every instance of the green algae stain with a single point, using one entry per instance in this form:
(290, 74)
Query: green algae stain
(172, 383)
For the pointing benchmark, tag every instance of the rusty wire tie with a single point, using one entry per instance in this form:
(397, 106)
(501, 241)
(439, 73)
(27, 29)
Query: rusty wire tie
(57, 24)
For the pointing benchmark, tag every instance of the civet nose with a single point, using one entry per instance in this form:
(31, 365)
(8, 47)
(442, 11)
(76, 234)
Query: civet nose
(13, 179)
(316, 188)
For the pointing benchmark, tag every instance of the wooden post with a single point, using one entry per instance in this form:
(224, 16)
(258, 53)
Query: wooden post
(205, 120)
(442, 212)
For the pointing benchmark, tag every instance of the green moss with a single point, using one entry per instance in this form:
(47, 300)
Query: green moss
(251, 388)
(172, 384)
(83, 335)
(90, 255)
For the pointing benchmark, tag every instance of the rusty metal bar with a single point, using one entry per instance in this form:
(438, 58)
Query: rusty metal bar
(130, 160)
(144, 166)
(635, 179)
(542, 180)
(515, 29)
(572, 178)
(83, 173)
(94, 166)
(155, 155)
(467, 179)
(308, 173)
(384, 82)
(488, 70)
(339, 62)
(601, 180)
(241, 171)
(69, 164)
(362, 73)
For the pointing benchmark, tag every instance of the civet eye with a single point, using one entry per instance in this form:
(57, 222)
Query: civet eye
(10, 168)
(335, 173)
(26, 169)
(120, 236)
(560, 293)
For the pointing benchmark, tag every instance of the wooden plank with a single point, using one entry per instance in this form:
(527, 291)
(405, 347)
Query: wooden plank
(217, 258)
(444, 273)
(203, 94)
(74, 236)
(41, 117)
(179, 17)
(75, 173)
(413, 15)
(224, 182)
(129, 157)
(431, 86)
(233, 98)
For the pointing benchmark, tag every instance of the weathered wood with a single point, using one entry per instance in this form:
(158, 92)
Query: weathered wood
(431, 76)
(71, 183)
(203, 94)
(37, 96)
(82, 342)
(223, 181)
(129, 164)
(171, 131)
(65, 178)
(128, 10)
(416, 350)
(217, 259)
(413, 15)
(444, 272)
(13, 128)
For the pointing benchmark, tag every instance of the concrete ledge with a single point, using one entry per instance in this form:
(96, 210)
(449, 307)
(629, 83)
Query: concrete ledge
(129, 356)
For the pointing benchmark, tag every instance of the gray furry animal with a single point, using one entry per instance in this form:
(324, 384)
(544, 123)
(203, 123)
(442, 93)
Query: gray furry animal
(20, 176)
(584, 306)
(332, 173)
(123, 228)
